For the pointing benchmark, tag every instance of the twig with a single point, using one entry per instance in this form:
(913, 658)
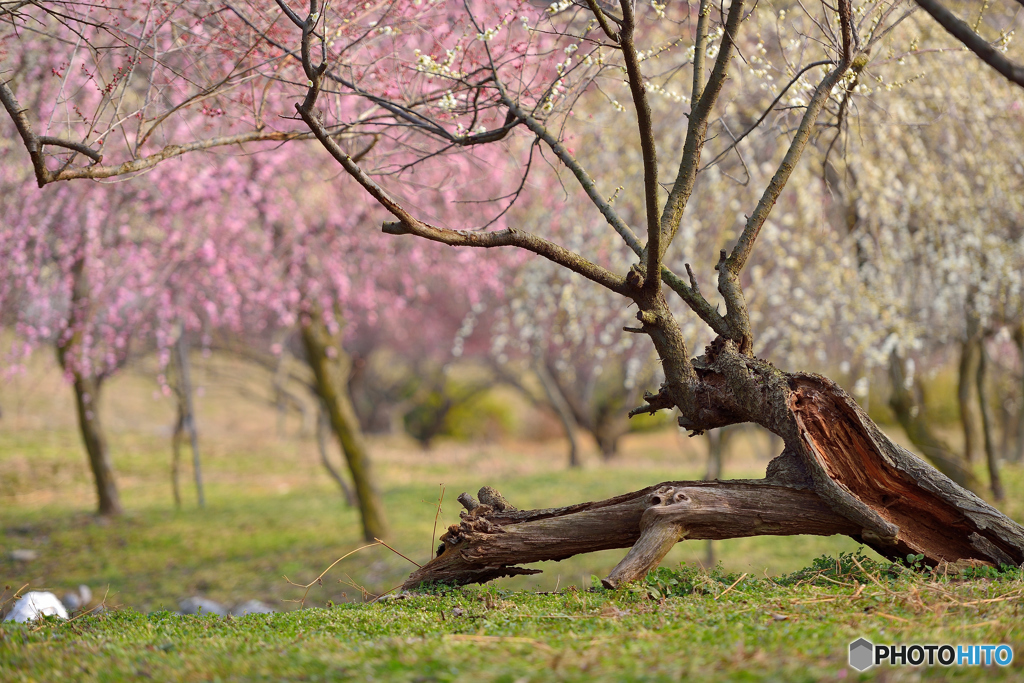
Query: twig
(397, 553)
(742, 576)
(433, 534)
(309, 585)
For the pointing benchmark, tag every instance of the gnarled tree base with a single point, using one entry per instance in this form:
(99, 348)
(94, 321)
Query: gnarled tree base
(838, 475)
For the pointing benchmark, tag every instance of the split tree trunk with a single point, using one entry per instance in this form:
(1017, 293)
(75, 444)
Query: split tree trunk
(838, 474)
(330, 369)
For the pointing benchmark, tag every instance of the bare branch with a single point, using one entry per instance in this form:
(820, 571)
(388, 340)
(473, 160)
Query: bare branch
(602, 19)
(586, 182)
(697, 129)
(407, 224)
(700, 48)
(975, 43)
(76, 146)
(729, 268)
(647, 148)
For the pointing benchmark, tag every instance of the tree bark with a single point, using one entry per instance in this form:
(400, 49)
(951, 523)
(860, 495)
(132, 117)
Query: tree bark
(986, 427)
(966, 382)
(838, 474)
(329, 365)
(910, 412)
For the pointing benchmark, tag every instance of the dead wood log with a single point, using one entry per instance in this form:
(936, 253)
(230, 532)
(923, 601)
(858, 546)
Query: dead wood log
(839, 474)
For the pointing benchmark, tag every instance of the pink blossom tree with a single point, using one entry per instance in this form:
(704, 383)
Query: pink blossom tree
(437, 82)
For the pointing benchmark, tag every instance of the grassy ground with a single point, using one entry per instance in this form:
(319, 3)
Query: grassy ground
(683, 625)
(273, 512)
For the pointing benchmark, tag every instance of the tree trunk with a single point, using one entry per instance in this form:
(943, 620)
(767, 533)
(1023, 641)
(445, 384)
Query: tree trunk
(1018, 338)
(909, 408)
(176, 437)
(187, 410)
(329, 365)
(965, 388)
(838, 474)
(561, 407)
(87, 400)
(716, 450)
(322, 427)
(986, 427)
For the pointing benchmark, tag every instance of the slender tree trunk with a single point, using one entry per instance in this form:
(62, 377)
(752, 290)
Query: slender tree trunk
(87, 400)
(176, 438)
(1018, 338)
(87, 397)
(329, 365)
(966, 382)
(716, 451)
(280, 399)
(188, 412)
(910, 412)
(561, 406)
(323, 426)
(986, 426)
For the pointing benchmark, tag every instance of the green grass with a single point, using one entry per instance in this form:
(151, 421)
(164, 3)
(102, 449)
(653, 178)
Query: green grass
(272, 511)
(677, 625)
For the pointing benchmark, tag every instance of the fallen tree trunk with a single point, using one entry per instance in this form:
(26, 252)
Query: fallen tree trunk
(838, 474)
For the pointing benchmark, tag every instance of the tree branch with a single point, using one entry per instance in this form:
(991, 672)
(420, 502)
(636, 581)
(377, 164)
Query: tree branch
(700, 48)
(408, 224)
(729, 268)
(585, 181)
(648, 150)
(696, 132)
(973, 42)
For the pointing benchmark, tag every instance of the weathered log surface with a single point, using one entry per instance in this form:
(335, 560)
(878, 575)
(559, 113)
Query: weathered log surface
(488, 543)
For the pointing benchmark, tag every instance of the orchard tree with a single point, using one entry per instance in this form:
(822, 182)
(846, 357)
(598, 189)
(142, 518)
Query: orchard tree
(516, 76)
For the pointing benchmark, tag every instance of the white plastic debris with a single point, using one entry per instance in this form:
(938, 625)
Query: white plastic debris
(34, 605)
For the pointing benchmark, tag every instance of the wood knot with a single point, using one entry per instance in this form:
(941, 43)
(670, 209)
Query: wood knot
(667, 495)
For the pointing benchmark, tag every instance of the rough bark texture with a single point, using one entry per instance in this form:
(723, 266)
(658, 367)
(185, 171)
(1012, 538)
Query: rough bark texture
(909, 409)
(331, 386)
(839, 474)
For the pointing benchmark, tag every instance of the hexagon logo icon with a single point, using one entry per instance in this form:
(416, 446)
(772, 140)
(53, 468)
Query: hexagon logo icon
(862, 654)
